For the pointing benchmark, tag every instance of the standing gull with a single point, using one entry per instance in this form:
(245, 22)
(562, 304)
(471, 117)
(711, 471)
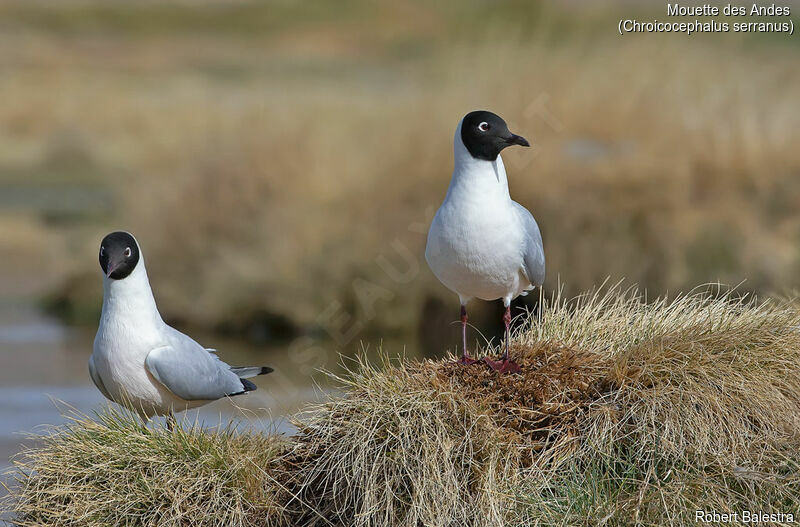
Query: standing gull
(141, 362)
(482, 243)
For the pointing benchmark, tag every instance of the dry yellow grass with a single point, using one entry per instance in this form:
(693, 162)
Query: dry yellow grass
(273, 167)
(626, 413)
(114, 471)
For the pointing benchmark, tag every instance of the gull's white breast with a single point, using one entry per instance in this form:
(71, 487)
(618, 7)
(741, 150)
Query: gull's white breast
(130, 328)
(119, 352)
(475, 243)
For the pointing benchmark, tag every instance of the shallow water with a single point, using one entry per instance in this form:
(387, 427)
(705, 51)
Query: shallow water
(44, 377)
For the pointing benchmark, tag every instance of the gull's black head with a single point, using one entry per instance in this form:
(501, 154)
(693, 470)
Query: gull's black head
(485, 134)
(119, 255)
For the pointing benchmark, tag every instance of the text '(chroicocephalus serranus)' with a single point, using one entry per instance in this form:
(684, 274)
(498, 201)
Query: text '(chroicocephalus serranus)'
(138, 360)
(482, 244)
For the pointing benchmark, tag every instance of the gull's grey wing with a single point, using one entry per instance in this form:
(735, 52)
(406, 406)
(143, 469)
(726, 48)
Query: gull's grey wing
(96, 378)
(533, 252)
(189, 371)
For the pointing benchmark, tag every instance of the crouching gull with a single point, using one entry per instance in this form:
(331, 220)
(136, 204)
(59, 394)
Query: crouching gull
(482, 244)
(138, 360)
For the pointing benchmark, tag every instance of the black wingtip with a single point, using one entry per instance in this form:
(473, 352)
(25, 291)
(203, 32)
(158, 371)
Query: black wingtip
(248, 386)
(265, 370)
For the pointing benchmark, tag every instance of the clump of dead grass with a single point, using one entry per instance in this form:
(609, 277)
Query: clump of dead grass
(113, 470)
(399, 450)
(627, 412)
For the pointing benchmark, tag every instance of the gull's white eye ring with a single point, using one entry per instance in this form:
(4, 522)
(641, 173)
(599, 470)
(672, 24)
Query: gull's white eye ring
(102, 250)
(127, 252)
(483, 127)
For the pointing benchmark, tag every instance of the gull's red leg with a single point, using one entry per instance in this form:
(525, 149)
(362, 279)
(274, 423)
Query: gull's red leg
(504, 365)
(507, 321)
(465, 358)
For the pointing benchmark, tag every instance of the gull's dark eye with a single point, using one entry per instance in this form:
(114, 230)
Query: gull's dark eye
(102, 250)
(483, 127)
(127, 252)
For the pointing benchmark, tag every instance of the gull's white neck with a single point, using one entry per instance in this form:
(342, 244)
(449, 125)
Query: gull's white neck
(476, 177)
(130, 298)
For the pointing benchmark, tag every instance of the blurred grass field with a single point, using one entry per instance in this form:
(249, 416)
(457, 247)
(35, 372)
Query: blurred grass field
(279, 162)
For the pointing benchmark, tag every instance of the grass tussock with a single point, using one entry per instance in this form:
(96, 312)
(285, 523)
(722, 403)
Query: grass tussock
(626, 413)
(115, 471)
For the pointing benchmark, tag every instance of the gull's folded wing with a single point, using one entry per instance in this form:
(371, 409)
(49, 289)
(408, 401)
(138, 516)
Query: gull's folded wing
(533, 252)
(191, 372)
